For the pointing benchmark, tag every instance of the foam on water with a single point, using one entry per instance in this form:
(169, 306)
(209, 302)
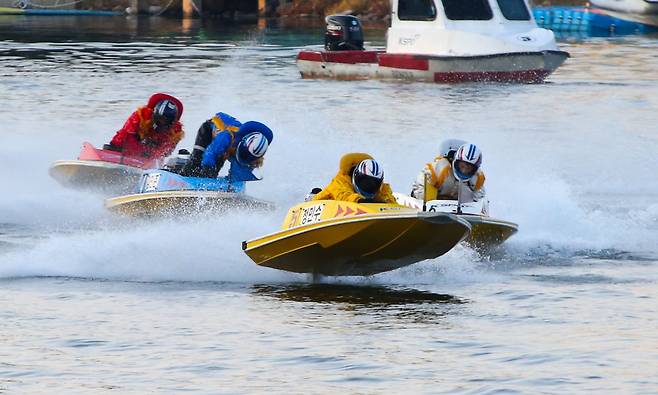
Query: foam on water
(554, 169)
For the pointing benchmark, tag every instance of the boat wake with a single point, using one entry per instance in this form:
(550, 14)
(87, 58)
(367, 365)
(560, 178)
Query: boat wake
(90, 243)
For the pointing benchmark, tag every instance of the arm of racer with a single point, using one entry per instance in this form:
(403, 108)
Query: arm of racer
(174, 136)
(418, 187)
(128, 131)
(340, 188)
(214, 155)
(385, 194)
(476, 184)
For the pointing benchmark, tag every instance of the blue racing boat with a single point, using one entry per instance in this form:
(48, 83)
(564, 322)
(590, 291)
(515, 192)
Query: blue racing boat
(161, 192)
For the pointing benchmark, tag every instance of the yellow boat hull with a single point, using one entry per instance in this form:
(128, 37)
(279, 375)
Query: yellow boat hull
(371, 238)
(181, 203)
(105, 177)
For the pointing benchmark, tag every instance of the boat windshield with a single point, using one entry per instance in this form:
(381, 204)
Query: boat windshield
(416, 10)
(514, 10)
(467, 10)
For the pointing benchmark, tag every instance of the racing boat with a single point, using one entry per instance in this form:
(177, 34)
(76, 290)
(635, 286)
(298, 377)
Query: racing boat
(338, 238)
(164, 193)
(101, 170)
(486, 232)
(440, 41)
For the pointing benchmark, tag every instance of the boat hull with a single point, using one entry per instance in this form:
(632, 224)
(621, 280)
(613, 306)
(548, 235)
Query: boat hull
(104, 177)
(506, 67)
(182, 203)
(164, 193)
(100, 170)
(487, 233)
(377, 239)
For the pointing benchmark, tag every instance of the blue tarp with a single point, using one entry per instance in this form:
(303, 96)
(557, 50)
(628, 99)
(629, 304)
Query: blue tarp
(586, 20)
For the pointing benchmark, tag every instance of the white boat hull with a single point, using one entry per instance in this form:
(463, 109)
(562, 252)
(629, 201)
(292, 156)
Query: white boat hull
(507, 67)
(98, 176)
(486, 232)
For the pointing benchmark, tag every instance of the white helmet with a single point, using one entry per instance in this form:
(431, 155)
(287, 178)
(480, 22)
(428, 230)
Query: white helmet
(252, 147)
(449, 147)
(367, 178)
(468, 159)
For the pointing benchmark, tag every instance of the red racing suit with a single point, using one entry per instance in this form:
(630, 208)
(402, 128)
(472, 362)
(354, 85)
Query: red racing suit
(137, 138)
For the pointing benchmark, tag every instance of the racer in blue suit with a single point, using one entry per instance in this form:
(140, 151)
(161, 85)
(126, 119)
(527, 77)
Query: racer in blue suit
(223, 138)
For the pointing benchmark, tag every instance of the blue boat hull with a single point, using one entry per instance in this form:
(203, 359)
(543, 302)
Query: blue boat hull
(586, 21)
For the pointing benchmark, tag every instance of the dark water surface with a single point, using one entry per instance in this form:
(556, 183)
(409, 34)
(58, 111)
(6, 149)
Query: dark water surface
(93, 304)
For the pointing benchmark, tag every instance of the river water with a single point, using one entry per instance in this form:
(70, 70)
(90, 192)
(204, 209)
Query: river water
(94, 304)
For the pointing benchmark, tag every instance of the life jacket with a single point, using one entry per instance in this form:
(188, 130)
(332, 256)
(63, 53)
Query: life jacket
(145, 122)
(434, 179)
(443, 185)
(226, 123)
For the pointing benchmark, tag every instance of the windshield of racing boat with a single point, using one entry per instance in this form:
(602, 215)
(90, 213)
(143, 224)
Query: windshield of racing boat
(416, 10)
(514, 10)
(467, 10)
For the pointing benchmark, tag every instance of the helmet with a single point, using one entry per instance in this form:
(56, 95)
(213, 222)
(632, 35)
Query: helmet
(367, 178)
(252, 147)
(165, 113)
(449, 147)
(468, 159)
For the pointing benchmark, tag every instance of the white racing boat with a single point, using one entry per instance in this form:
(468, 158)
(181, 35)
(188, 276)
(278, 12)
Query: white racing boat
(486, 232)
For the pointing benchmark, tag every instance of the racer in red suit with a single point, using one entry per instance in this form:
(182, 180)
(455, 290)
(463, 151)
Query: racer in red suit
(153, 131)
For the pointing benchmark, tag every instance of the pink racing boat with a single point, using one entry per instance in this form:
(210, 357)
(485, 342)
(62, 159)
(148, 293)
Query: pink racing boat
(101, 170)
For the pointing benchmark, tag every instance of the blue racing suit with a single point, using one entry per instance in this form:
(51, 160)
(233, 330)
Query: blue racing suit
(223, 146)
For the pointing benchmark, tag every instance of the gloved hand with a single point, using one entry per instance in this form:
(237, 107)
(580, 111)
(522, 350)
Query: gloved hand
(148, 142)
(110, 147)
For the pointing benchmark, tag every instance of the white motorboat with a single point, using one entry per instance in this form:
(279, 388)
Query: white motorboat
(441, 41)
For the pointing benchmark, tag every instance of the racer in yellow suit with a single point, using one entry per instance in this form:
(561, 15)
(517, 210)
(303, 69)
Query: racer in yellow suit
(359, 179)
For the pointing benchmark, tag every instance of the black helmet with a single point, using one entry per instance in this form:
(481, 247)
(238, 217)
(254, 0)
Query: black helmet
(165, 113)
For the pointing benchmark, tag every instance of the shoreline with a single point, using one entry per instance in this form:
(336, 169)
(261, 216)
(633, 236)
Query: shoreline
(366, 10)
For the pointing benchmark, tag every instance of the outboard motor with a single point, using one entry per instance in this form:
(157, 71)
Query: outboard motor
(175, 164)
(343, 33)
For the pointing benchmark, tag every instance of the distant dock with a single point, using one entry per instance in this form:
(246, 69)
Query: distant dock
(184, 8)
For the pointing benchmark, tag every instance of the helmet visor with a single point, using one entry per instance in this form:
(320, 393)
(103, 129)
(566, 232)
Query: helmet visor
(244, 157)
(164, 114)
(465, 170)
(161, 121)
(367, 185)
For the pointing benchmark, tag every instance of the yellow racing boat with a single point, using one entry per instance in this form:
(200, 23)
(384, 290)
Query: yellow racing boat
(338, 238)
